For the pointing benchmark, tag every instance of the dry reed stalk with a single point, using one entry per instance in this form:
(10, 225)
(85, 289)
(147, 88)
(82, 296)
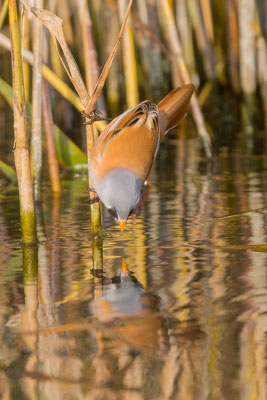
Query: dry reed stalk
(233, 44)
(129, 60)
(21, 147)
(3, 12)
(55, 60)
(207, 19)
(204, 7)
(50, 140)
(26, 45)
(186, 36)
(174, 42)
(195, 11)
(146, 24)
(36, 137)
(89, 51)
(113, 85)
(247, 42)
(144, 44)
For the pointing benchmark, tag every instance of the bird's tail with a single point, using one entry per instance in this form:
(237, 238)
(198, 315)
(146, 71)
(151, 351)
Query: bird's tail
(174, 107)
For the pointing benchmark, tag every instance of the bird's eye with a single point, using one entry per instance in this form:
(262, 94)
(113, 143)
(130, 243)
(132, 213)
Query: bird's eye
(113, 212)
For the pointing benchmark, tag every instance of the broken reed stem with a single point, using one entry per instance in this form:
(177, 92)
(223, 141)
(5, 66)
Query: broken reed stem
(129, 61)
(174, 42)
(50, 140)
(21, 147)
(36, 137)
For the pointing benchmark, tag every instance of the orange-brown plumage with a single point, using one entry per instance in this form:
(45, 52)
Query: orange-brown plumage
(125, 151)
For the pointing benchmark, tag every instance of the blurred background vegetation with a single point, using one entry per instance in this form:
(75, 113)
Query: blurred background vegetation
(223, 45)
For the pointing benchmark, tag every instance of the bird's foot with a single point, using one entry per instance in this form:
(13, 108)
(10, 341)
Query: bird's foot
(95, 115)
(93, 200)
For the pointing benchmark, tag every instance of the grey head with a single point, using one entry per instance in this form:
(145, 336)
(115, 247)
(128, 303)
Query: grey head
(119, 190)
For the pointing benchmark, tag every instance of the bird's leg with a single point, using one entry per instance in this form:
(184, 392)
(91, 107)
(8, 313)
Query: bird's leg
(95, 115)
(93, 200)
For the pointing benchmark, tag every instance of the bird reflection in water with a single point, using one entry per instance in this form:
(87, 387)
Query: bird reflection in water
(132, 314)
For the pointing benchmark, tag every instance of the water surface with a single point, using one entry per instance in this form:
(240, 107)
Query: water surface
(177, 309)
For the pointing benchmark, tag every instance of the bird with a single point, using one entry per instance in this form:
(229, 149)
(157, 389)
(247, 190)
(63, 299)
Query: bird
(124, 153)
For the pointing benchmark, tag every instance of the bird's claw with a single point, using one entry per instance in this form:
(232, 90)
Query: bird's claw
(95, 115)
(93, 200)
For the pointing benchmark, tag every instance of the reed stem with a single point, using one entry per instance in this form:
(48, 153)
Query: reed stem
(21, 147)
(247, 46)
(50, 140)
(26, 46)
(129, 60)
(36, 137)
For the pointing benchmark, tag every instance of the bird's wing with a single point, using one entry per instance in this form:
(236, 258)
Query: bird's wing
(130, 141)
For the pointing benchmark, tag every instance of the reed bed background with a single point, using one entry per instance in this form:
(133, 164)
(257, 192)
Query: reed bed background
(220, 46)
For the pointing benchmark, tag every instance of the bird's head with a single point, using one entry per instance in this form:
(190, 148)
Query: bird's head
(120, 192)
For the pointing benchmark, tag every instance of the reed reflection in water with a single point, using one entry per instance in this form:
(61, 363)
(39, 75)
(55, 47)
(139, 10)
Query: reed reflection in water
(178, 309)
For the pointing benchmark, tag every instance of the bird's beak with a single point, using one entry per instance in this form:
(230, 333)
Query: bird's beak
(122, 224)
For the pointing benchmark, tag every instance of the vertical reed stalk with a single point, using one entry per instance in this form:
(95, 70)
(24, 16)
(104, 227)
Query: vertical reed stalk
(186, 36)
(207, 19)
(201, 38)
(157, 74)
(21, 148)
(175, 45)
(129, 61)
(36, 138)
(112, 88)
(233, 44)
(144, 44)
(247, 43)
(50, 140)
(26, 46)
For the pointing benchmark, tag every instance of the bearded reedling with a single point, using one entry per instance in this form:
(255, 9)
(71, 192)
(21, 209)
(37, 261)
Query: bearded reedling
(124, 153)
